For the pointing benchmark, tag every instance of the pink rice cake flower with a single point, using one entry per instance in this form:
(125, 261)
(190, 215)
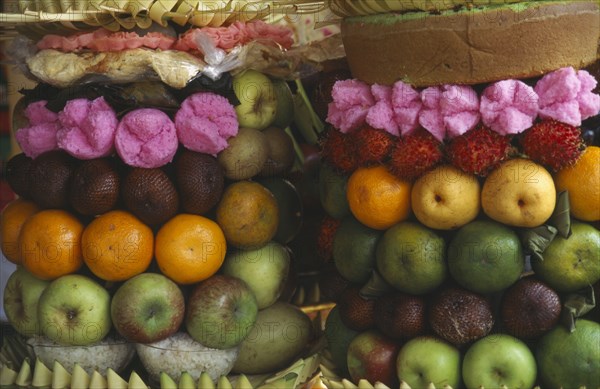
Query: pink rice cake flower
(566, 96)
(509, 107)
(205, 121)
(40, 135)
(381, 115)
(407, 105)
(146, 137)
(352, 100)
(449, 111)
(88, 128)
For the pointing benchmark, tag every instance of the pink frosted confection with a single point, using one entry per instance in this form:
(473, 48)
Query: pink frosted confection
(205, 121)
(88, 128)
(381, 115)
(407, 105)
(566, 95)
(352, 100)
(509, 107)
(449, 111)
(40, 136)
(146, 138)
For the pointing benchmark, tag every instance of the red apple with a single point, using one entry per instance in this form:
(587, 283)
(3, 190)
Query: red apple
(372, 356)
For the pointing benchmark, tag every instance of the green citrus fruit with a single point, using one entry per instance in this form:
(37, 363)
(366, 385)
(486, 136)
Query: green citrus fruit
(411, 258)
(354, 250)
(570, 359)
(485, 257)
(574, 263)
(332, 192)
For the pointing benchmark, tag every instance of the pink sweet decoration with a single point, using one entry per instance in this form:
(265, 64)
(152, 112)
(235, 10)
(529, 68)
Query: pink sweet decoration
(449, 111)
(205, 121)
(566, 95)
(407, 105)
(352, 100)
(88, 128)
(381, 115)
(509, 107)
(40, 135)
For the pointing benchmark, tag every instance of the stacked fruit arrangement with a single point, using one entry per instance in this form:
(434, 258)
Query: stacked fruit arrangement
(158, 216)
(462, 218)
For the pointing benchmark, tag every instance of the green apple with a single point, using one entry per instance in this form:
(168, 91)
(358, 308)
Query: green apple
(264, 270)
(258, 100)
(147, 308)
(426, 360)
(221, 310)
(74, 310)
(499, 360)
(281, 332)
(21, 296)
(285, 104)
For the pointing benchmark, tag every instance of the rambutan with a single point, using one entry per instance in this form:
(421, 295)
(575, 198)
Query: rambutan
(415, 154)
(478, 151)
(337, 149)
(372, 145)
(553, 144)
(327, 230)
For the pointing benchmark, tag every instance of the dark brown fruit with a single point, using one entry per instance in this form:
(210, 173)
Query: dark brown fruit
(150, 195)
(400, 315)
(460, 316)
(332, 284)
(51, 173)
(200, 181)
(94, 187)
(18, 174)
(530, 308)
(356, 312)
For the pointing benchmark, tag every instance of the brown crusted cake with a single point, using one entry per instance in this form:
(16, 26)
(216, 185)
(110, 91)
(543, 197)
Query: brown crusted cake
(472, 45)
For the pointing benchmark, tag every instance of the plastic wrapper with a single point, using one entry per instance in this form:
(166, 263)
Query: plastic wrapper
(174, 68)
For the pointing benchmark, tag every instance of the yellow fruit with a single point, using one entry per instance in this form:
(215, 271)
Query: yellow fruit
(582, 180)
(377, 198)
(519, 193)
(12, 218)
(446, 198)
(190, 248)
(50, 243)
(248, 214)
(117, 246)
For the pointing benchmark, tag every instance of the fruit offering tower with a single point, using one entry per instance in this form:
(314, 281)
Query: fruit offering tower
(158, 195)
(461, 178)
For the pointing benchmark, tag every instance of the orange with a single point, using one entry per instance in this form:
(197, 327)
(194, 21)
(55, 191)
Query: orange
(117, 246)
(12, 218)
(377, 198)
(582, 181)
(190, 248)
(50, 243)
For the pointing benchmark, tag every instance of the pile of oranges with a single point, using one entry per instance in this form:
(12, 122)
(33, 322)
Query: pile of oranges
(117, 245)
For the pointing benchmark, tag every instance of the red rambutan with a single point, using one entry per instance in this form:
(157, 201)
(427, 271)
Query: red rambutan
(372, 145)
(327, 230)
(553, 144)
(415, 154)
(479, 150)
(337, 149)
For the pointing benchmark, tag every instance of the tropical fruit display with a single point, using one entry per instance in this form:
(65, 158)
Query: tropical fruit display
(158, 202)
(461, 182)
